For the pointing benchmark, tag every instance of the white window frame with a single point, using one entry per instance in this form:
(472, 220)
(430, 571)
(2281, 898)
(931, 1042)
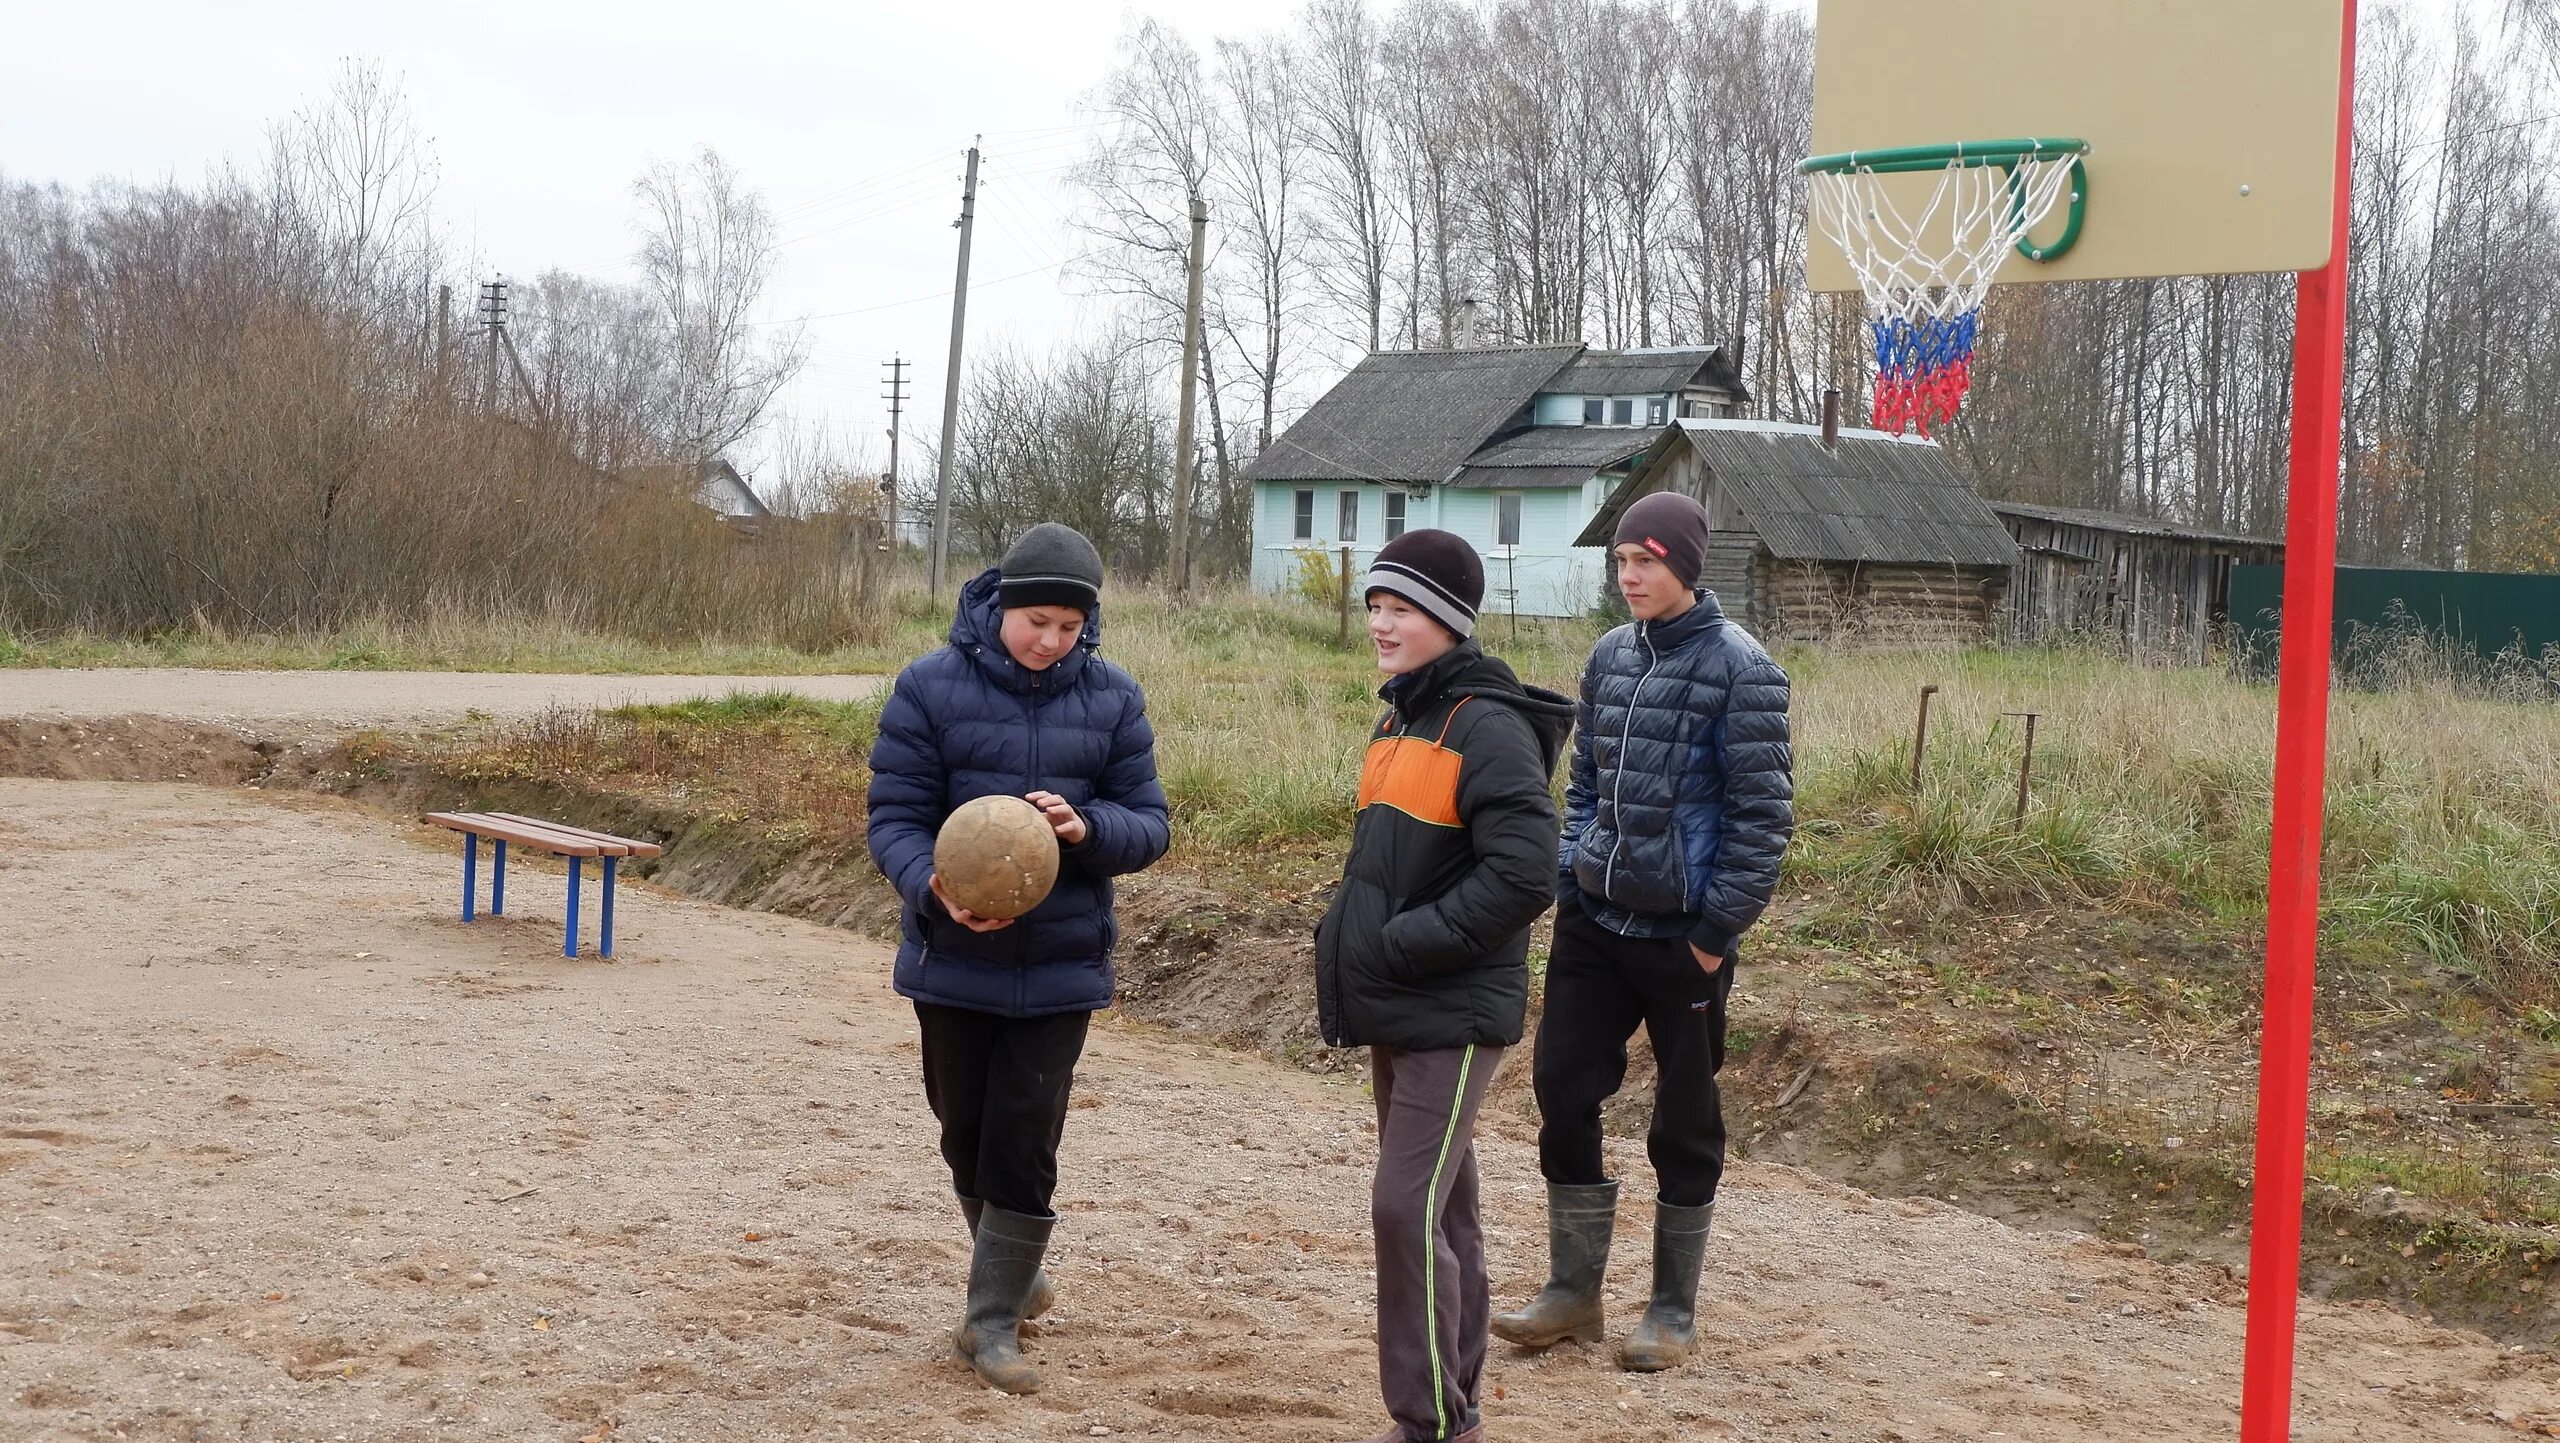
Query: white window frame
(1302, 516)
(1595, 410)
(1517, 504)
(1346, 516)
(1622, 411)
(1392, 521)
(1657, 410)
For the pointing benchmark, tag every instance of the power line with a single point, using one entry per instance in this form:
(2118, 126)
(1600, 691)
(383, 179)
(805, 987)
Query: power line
(920, 300)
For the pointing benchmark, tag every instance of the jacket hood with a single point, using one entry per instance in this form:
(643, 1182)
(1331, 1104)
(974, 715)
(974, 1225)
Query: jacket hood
(1467, 671)
(977, 629)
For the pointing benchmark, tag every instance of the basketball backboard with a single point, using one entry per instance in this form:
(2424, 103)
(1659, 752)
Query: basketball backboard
(2212, 124)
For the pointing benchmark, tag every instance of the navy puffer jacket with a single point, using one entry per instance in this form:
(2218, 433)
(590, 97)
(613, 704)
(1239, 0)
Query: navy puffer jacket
(1681, 796)
(968, 721)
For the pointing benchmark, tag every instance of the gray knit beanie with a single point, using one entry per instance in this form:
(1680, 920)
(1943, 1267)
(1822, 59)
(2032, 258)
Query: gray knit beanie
(1671, 526)
(1051, 565)
(1436, 571)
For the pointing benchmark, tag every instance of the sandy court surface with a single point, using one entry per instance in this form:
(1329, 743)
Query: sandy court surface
(366, 698)
(287, 1152)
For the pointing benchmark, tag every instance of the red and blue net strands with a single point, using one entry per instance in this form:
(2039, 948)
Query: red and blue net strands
(1924, 365)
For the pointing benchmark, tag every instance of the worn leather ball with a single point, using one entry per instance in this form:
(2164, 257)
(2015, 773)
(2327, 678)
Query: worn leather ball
(997, 856)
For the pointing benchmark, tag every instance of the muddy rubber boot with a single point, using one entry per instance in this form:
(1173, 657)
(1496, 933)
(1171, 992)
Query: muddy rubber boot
(1580, 1217)
(1001, 1267)
(1668, 1331)
(1043, 1296)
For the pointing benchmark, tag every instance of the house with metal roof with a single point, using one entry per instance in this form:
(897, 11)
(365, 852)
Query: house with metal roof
(1513, 447)
(1831, 536)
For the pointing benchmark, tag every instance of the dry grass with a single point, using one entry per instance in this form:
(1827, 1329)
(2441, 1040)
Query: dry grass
(2151, 787)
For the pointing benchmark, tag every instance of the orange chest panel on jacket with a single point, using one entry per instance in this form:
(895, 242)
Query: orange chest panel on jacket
(1415, 775)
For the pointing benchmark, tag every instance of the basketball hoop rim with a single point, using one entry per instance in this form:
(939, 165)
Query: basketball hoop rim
(2008, 155)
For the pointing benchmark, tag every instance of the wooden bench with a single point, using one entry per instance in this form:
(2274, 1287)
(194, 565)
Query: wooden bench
(575, 843)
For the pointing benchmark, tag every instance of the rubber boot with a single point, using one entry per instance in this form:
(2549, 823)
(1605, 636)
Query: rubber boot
(1668, 1332)
(1042, 1296)
(1001, 1267)
(1580, 1217)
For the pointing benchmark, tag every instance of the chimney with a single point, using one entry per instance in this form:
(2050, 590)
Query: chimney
(1469, 311)
(1831, 418)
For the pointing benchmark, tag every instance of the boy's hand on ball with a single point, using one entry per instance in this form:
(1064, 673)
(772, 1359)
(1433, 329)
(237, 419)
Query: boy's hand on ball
(963, 915)
(1063, 819)
(1706, 961)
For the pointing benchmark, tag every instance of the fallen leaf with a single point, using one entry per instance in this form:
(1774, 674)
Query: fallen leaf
(542, 1325)
(755, 1237)
(275, 1297)
(348, 1371)
(603, 1431)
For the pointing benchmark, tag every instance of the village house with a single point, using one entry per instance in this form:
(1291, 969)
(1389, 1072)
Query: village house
(1852, 535)
(1513, 447)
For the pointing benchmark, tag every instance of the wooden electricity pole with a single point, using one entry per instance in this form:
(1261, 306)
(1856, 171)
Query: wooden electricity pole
(951, 384)
(897, 399)
(1182, 426)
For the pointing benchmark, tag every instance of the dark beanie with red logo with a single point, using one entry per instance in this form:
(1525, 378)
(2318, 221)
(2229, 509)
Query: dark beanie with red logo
(1672, 527)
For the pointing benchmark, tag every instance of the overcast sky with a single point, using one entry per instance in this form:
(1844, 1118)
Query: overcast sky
(850, 118)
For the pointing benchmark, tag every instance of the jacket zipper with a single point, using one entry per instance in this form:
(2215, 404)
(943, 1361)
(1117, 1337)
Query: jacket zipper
(1618, 788)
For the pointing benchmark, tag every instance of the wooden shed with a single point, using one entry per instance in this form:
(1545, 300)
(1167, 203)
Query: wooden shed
(2157, 591)
(1864, 536)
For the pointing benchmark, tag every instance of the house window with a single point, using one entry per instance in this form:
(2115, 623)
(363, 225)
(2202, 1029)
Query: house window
(1395, 515)
(1655, 410)
(1506, 518)
(1591, 410)
(1302, 521)
(1350, 517)
(1622, 411)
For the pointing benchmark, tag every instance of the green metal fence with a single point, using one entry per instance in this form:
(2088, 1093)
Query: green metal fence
(2468, 623)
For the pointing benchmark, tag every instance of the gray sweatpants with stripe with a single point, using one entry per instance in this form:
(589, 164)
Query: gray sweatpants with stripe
(1433, 1299)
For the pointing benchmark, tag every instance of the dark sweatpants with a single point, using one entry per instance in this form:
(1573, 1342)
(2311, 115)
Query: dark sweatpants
(999, 1087)
(1434, 1301)
(1600, 988)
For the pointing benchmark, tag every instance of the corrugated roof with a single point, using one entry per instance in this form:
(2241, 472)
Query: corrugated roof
(1871, 498)
(1410, 416)
(1633, 373)
(1552, 456)
(2126, 525)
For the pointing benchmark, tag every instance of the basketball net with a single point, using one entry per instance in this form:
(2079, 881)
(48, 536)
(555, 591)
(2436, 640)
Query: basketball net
(1925, 271)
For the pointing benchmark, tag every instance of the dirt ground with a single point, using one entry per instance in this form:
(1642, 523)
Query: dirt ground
(288, 1152)
(364, 698)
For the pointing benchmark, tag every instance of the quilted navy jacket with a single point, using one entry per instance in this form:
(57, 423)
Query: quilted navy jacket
(1681, 796)
(969, 721)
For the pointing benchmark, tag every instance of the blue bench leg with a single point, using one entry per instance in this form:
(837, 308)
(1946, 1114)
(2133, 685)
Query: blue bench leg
(570, 948)
(498, 882)
(470, 873)
(609, 864)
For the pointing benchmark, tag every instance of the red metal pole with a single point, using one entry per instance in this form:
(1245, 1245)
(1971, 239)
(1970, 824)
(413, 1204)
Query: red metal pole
(2293, 871)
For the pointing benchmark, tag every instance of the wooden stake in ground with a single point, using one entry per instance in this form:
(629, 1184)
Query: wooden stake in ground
(2026, 767)
(1182, 426)
(1342, 625)
(951, 384)
(1920, 738)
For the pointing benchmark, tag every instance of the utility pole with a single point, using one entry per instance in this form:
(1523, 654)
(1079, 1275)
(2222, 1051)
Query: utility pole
(493, 324)
(951, 383)
(897, 399)
(1182, 458)
(444, 340)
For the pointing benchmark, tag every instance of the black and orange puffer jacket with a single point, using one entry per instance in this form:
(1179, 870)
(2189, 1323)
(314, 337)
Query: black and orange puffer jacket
(1452, 857)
